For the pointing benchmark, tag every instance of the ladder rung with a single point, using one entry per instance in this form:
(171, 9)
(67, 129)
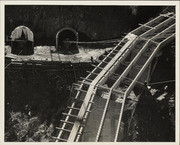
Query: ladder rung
(117, 91)
(79, 133)
(119, 100)
(91, 72)
(90, 102)
(86, 83)
(73, 108)
(167, 15)
(104, 55)
(100, 67)
(154, 42)
(149, 39)
(135, 100)
(80, 90)
(103, 87)
(109, 56)
(113, 52)
(135, 50)
(94, 65)
(67, 122)
(69, 115)
(59, 138)
(104, 61)
(114, 78)
(126, 79)
(67, 130)
(138, 67)
(117, 50)
(74, 99)
(126, 83)
(116, 74)
(125, 63)
(88, 111)
(82, 125)
(76, 84)
(86, 79)
(106, 88)
(146, 26)
(147, 53)
(76, 87)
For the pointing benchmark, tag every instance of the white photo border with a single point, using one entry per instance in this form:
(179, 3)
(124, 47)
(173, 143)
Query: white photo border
(121, 3)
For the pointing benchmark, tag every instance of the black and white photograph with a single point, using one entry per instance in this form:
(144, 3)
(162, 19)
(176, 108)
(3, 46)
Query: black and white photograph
(77, 72)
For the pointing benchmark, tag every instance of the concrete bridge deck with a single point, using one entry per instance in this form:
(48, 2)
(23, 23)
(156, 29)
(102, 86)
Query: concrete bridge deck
(99, 101)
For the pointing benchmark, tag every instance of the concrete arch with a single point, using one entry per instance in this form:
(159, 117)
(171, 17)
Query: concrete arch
(68, 34)
(22, 41)
(18, 31)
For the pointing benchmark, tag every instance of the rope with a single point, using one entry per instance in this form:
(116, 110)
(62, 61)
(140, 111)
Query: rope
(8, 65)
(154, 66)
(170, 81)
(95, 42)
(132, 80)
(11, 61)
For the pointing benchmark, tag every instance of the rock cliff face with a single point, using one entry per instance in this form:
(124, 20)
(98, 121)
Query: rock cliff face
(91, 22)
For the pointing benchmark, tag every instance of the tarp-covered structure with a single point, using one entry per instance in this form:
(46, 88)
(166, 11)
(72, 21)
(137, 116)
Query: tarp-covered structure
(18, 32)
(22, 40)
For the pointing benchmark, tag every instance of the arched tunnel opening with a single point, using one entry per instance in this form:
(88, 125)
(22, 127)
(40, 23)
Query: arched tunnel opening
(38, 94)
(22, 41)
(66, 41)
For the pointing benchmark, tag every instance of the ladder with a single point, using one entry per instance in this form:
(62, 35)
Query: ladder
(114, 77)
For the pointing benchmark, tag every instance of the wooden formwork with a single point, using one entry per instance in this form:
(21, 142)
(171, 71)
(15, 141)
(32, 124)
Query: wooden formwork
(112, 82)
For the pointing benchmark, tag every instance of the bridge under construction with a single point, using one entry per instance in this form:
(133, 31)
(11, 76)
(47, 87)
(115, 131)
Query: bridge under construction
(99, 102)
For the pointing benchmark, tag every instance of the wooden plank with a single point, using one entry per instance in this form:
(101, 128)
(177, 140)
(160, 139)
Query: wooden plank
(80, 90)
(86, 79)
(66, 114)
(146, 26)
(92, 72)
(76, 100)
(67, 130)
(60, 139)
(73, 108)
(67, 122)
